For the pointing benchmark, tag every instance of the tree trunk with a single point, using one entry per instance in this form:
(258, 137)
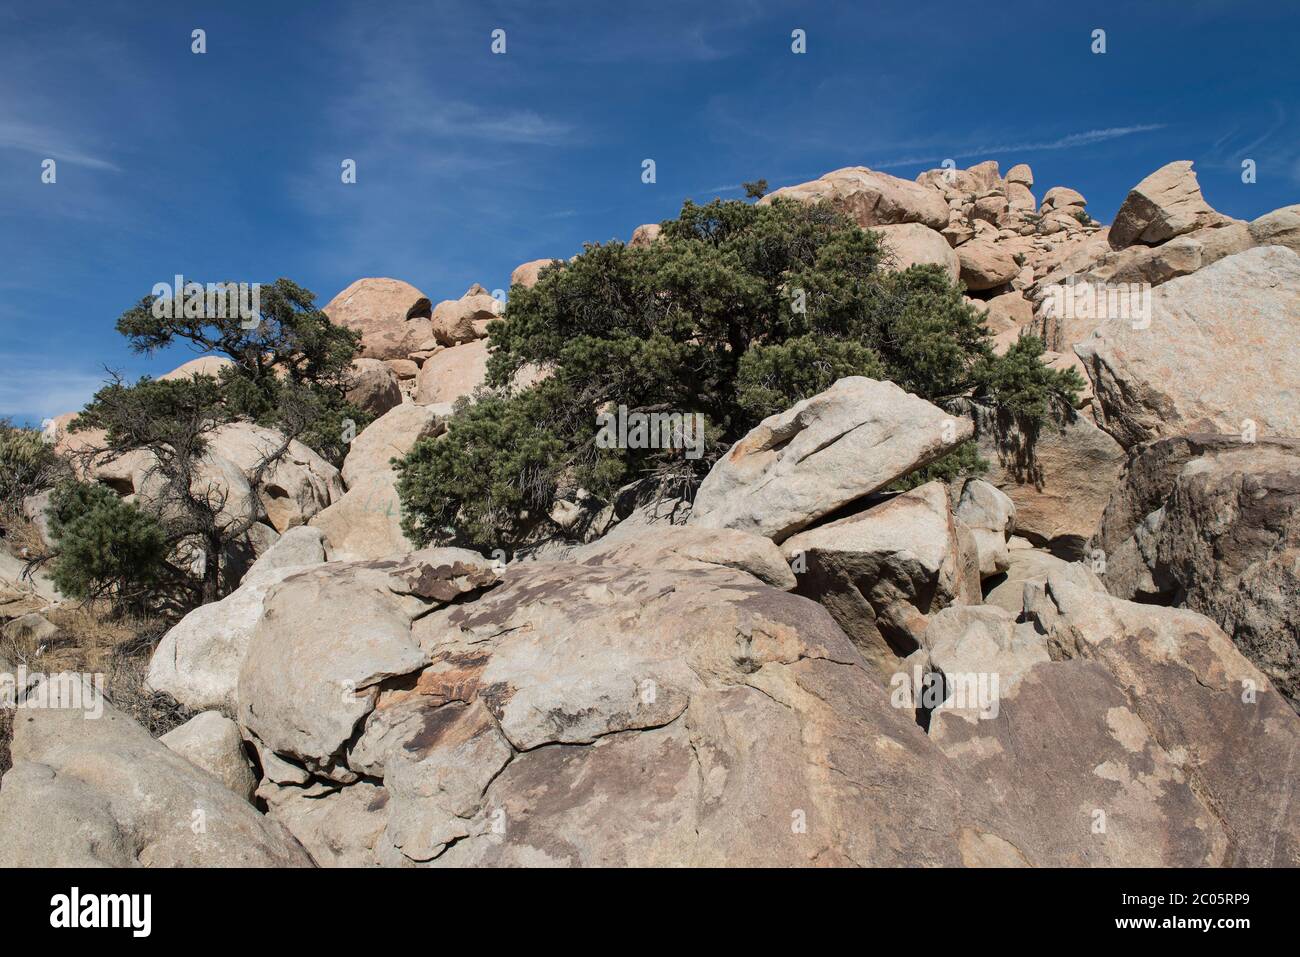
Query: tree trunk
(211, 569)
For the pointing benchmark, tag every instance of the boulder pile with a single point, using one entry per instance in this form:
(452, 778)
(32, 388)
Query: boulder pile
(1090, 656)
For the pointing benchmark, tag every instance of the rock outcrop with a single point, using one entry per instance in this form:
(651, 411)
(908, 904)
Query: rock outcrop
(802, 464)
(1212, 524)
(393, 317)
(870, 198)
(90, 788)
(882, 572)
(1220, 353)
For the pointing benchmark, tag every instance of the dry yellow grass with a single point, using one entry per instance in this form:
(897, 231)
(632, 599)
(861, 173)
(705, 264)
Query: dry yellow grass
(92, 640)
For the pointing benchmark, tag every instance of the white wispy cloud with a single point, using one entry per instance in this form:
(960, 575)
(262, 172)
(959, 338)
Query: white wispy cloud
(1068, 141)
(47, 142)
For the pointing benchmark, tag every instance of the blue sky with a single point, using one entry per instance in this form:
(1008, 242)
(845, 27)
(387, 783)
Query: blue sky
(226, 165)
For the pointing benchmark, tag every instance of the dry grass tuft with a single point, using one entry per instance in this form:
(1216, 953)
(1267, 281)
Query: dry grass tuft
(93, 640)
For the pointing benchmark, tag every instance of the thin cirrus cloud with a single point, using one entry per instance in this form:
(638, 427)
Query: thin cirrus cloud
(1069, 141)
(44, 141)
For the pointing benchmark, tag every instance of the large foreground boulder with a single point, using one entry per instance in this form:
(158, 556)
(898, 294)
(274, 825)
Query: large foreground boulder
(1223, 727)
(197, 662)
(1221, 354)
(1098, 788)
(1213, 524)
(839, 446)
(605, 714)
(330, 635)
(91, 788)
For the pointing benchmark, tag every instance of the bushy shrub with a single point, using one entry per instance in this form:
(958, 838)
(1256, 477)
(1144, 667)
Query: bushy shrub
(736, 312)
(27, 465)
(105, 547)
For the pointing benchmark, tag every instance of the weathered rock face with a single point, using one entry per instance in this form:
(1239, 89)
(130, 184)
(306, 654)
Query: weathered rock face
(1211, 524)
(329, 636)
(1166, 204)
(913, 244)
(1059, 482)
(1278, 228)
(969, 643)
(392, 316)
(452, 373)
(682, 547)
(602, 714)
(882, 572)
(391, 436)
(986, 264)
(870, 198)
(1097, 787)
(92, 790)
(1033, 566)
(212, 742)
(374, 386)
(827, 451)
(465, 319)
(527, 274)
(366, 522)
(1217, 718)
(297, 486)
(1213, 338)
(197, 662)
(339, 827)
(991, 517)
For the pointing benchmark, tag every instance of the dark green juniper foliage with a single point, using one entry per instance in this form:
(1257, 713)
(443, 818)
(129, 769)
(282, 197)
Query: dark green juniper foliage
(737, 312)
(107, 547)
(289, 372)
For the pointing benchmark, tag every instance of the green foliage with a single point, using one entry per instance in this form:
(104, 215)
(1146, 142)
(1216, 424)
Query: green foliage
(505, 450)
(961, 461)
(755, 189)
(289, 371)
(1019, 384)
(105, 546)
(738, 311)
(27, 465)
(771, 378)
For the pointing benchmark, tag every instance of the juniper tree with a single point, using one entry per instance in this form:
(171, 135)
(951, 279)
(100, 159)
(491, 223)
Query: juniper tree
(738, 311)
(289, 371)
